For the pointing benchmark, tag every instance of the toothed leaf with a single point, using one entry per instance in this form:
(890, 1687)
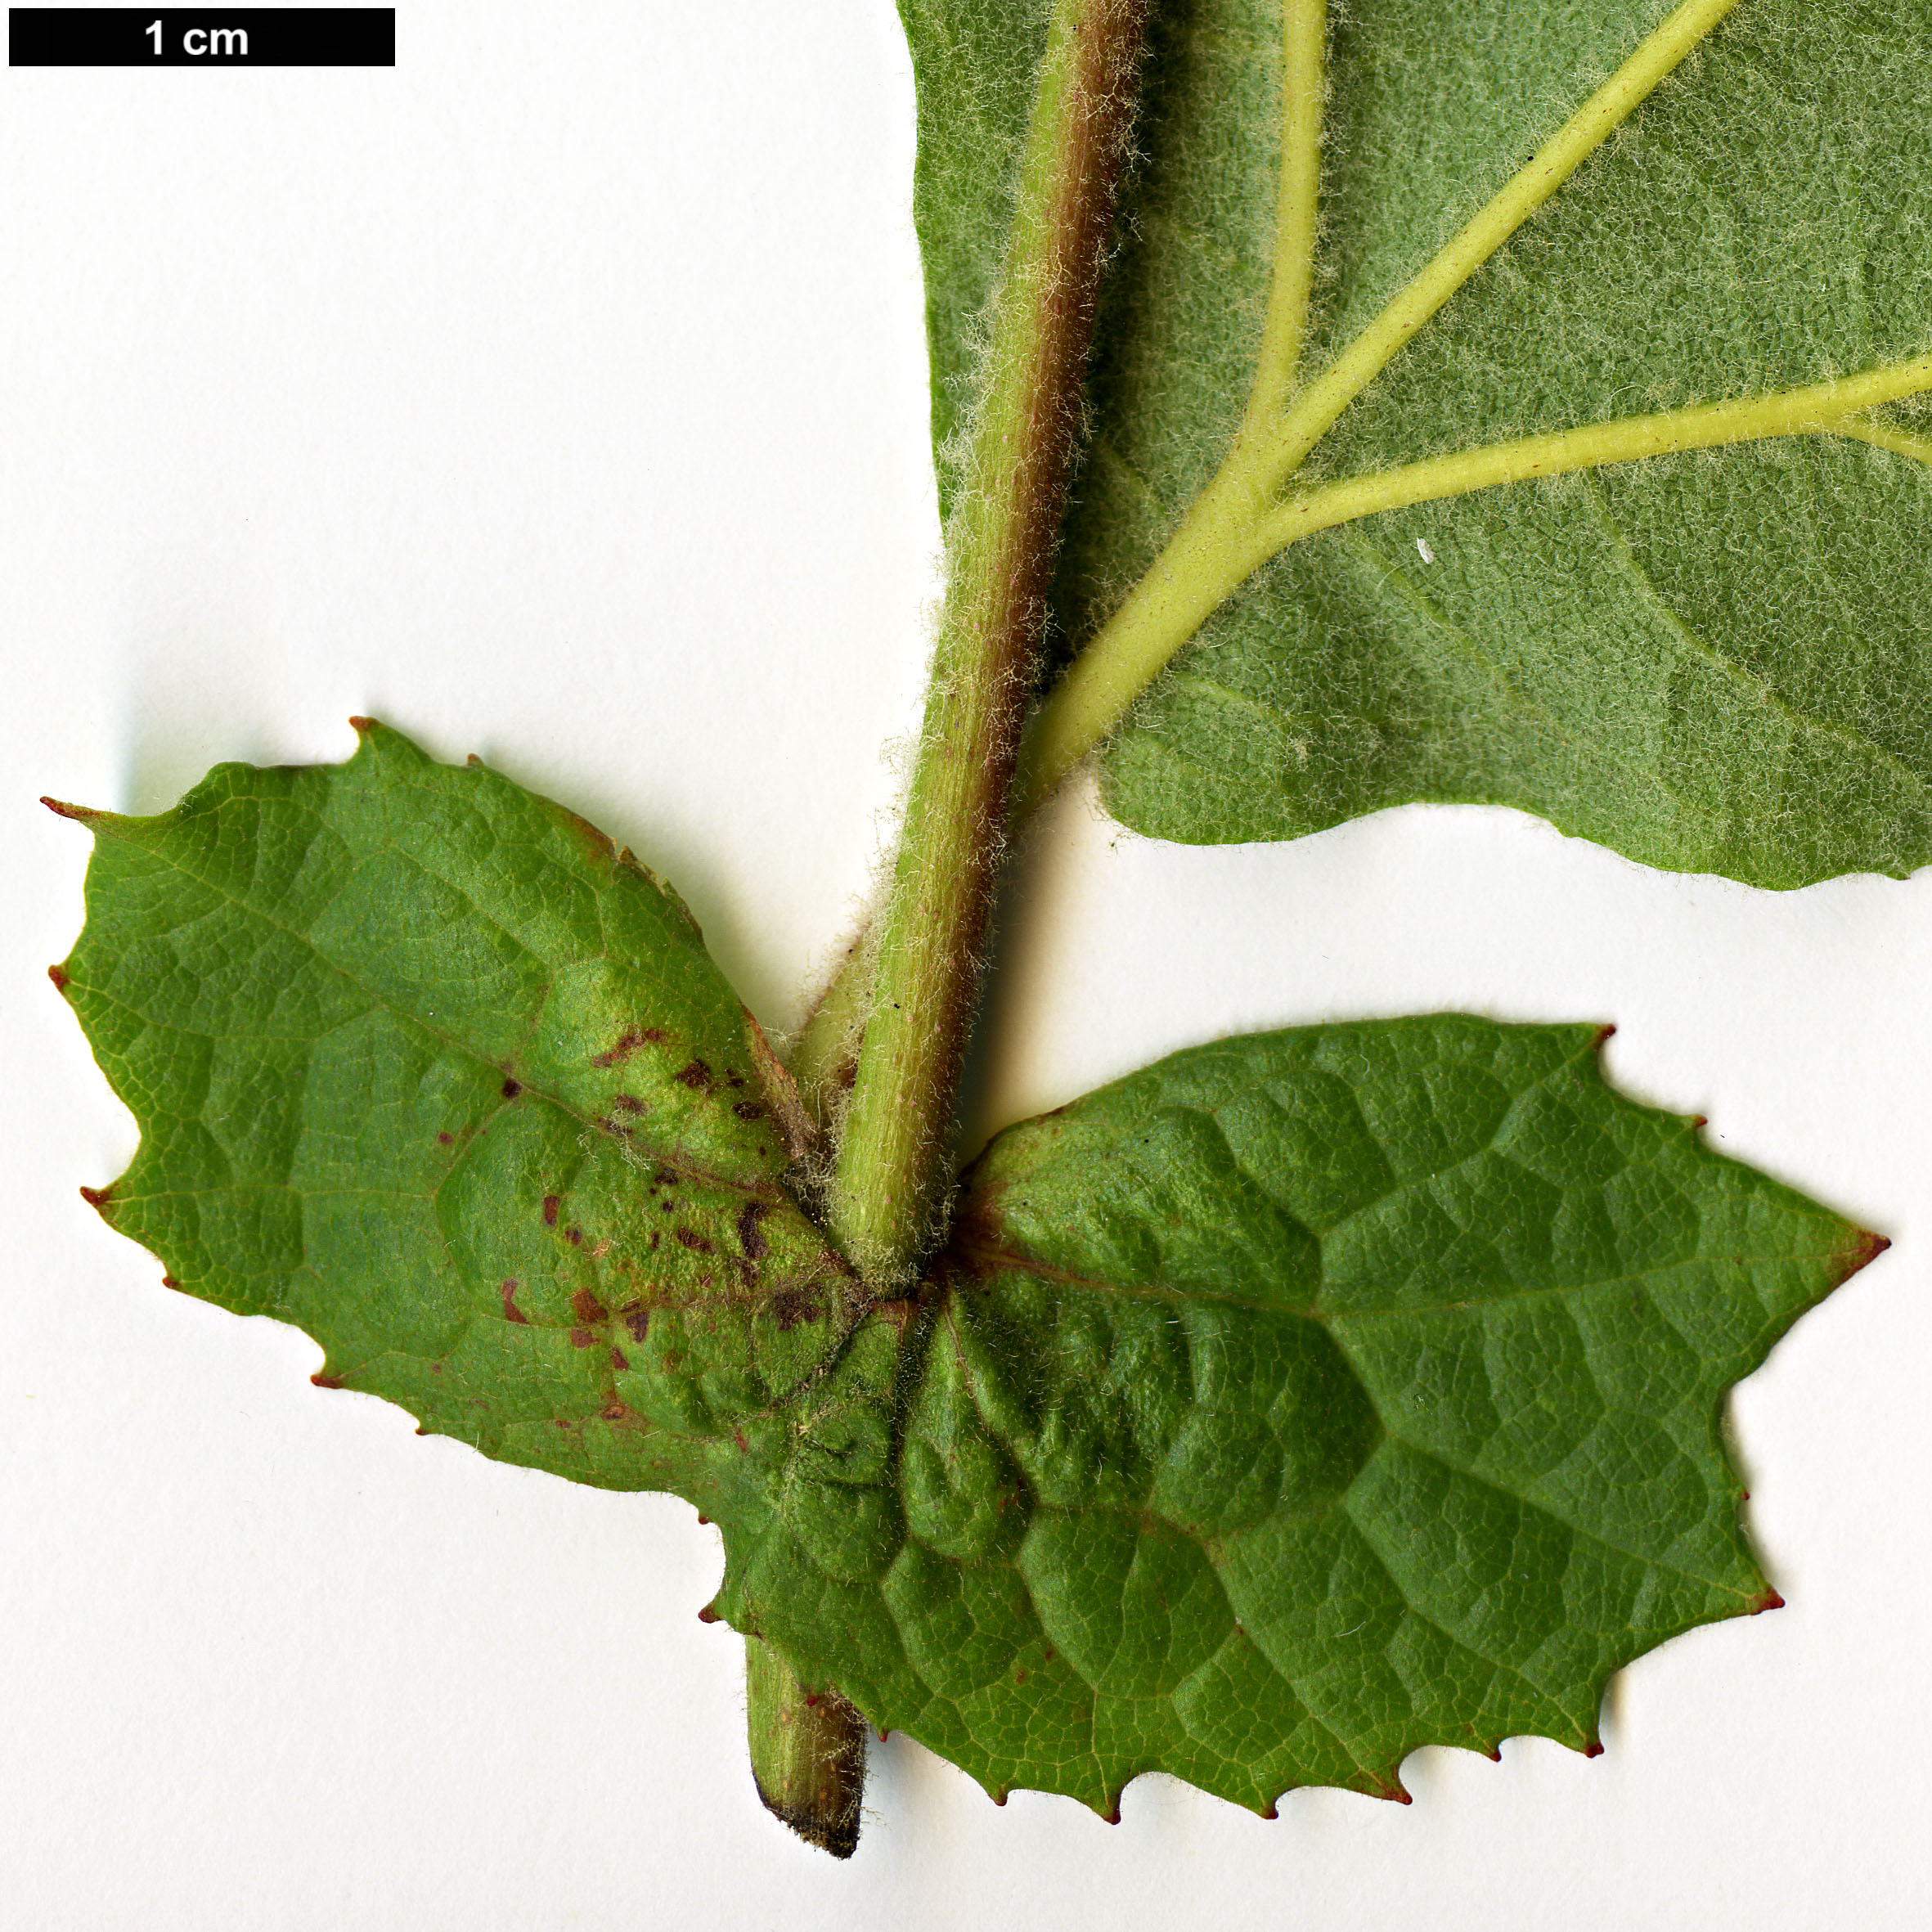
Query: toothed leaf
(1298, 1401)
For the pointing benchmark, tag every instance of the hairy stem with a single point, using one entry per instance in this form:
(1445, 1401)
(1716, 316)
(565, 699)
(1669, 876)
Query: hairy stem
(808, 1753)
(893, 1171)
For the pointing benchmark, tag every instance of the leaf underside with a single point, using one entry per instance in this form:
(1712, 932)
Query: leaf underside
(1299, 1400)
(1712, 662)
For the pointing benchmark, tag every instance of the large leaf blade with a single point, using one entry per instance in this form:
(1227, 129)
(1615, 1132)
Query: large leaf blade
(1708, 663)
(1303, 1399)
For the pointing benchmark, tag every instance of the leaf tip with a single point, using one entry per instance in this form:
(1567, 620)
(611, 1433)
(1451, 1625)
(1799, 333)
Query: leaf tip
(707, 1614)
(58, 975)
(82, 815)
(100, 1199)
(1767, 1599)
(1001, 1795)
(1864, 1248)
(364, 727)
(1594, 1749)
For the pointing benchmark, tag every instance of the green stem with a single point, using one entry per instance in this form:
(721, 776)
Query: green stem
(894, 1168)
(808, 1752)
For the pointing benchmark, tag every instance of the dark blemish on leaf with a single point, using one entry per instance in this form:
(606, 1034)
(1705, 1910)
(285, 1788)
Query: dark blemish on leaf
(447, 1139)
(1769, 1601)
(667, 1177)
(637, 1318)
(588, 1307)
(58, 975)
(628, 1042)
(627, 1104)
(733, 1080)
(574, 1236)
(1019, 1677)
(550, 1211)
(581, 1338)
(754, 1244)
(737, 1434)
(790, 1306)
(619, 1360)
(1047, 1656)
(695, 1075)
(323, 1379)
(613, 1411)
(1594, 1749)
(510, 1310)
(748, 1109)
(695, 1242)
(511, 1088)
(655, 1238)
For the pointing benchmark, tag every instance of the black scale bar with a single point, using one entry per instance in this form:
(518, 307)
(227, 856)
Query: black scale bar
(201, 37)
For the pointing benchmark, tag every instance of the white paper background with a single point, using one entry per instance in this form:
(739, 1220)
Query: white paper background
(560, 395)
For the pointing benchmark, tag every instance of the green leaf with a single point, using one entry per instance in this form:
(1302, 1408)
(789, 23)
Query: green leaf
(427, 1066)
(1709, 661)
(1299, 1400)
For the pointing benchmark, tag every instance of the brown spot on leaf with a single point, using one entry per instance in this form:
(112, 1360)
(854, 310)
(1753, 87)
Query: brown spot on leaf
(574, 1236)
(58, 975)
(748, 1109)
(511, 1312)
(626, 1103)
(550, 1211)
(695, 1075)
(447, 1139)
(511, 1088)
(588, 1307)
(581, 1338)
(628, 1042)
(790, 1306)
(754, 1244)
(613, 1411)
(695, 1242)
(619, 1360)
(637, 1318)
